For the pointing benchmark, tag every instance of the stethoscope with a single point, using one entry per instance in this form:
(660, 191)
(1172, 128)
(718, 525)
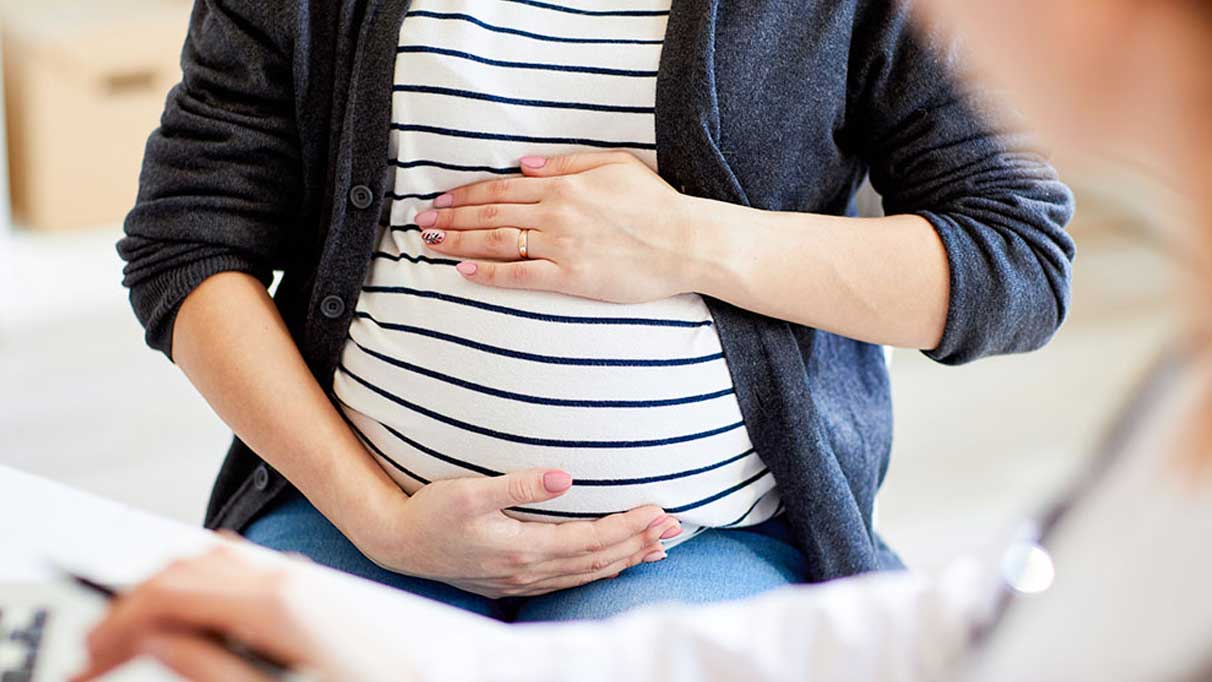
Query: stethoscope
(1026, 565)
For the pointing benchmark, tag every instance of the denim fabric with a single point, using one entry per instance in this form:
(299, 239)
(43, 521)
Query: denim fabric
(284, 110)
(716, 565)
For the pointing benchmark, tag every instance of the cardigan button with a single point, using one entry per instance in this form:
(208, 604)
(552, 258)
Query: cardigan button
(261, 478)
(361, 197)
(332, 306)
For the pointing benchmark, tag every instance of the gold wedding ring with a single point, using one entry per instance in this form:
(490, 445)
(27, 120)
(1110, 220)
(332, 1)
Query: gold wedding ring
(524, 244)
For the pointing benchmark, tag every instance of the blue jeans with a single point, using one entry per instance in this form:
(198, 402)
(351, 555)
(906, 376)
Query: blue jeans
(717, 565)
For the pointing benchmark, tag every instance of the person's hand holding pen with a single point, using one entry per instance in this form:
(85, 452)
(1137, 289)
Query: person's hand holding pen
(185, 615)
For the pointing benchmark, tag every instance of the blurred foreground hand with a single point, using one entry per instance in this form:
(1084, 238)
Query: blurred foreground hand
(234, 591)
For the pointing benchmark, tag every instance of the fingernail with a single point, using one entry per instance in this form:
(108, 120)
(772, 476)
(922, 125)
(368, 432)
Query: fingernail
(466, 268)
(658, 521)
(671, 533)
(444, 201)
(534, 161)
(557, 481)
(433, 236)
(655, 556)
(427, 218)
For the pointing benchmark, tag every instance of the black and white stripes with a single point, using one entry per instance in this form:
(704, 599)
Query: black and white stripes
(442, 378)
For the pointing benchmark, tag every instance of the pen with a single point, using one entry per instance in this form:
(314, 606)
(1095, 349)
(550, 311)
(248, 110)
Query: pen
(274, 669)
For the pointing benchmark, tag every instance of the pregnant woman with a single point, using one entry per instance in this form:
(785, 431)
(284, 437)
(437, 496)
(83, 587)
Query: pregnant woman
(570, 289)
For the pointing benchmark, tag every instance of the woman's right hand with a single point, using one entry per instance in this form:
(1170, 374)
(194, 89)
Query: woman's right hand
(455, 531)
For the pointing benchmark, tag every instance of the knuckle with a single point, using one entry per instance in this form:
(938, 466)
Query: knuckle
(558, 188)
(520, 276)
(462, 497)
(488, 214)
(499, 188)
(498, 239)
(519, 489)
(640, 519)
(561, 214)
(599, 564)
(572, 271)
(595, 542)
(548, 217)
(557, 247)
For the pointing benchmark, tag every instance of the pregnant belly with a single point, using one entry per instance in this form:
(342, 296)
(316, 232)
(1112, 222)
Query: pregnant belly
(443, 378)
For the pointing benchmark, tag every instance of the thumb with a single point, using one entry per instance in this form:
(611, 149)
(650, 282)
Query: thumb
(570, 164)
(526, 487)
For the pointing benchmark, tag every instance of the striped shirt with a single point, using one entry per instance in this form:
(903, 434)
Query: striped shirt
(443, 378)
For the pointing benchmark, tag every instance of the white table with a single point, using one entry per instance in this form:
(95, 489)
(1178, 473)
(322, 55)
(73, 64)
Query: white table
(42, 522)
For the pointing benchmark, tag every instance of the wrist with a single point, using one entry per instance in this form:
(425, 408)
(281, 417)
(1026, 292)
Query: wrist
(713, 254)
(375, 519)
(388, 536)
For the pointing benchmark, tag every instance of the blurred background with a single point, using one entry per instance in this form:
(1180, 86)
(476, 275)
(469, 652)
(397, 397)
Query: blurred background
(83, 401)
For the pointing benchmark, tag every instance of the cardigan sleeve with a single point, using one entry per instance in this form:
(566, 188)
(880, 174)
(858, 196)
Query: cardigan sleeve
(222, 174)
(998, 207)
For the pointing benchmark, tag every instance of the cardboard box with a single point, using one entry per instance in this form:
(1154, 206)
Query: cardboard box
(85, 84)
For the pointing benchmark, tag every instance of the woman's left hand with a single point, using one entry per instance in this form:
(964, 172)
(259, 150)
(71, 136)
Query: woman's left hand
(600, 225)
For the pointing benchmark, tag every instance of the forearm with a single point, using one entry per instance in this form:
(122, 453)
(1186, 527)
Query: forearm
(894, 626)
(881, 280)
(231, 342)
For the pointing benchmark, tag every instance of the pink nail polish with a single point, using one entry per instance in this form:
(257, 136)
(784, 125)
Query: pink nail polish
(427, 218)
(557, 481)
(671, 533)
(444, 201)
(535, 162)
(655, 556)
(658, 521)
(466, 268)
(433, 237)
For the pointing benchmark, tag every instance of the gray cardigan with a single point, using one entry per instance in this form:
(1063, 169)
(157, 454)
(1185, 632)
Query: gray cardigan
(271, 156)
